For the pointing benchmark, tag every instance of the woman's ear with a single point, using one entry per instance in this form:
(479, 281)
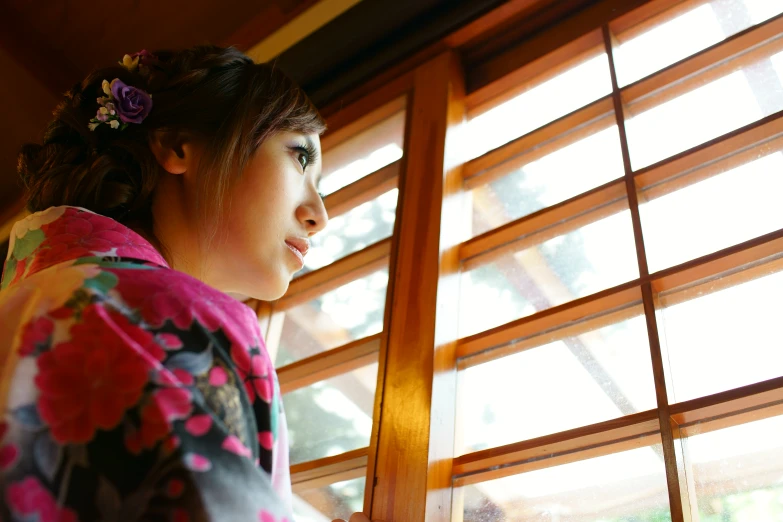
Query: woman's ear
(174, 153)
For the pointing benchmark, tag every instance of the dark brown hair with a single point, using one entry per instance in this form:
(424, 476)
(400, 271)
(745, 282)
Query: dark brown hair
(212, 94)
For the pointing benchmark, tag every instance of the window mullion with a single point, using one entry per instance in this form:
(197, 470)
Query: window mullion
(679, 511)
(412, 467)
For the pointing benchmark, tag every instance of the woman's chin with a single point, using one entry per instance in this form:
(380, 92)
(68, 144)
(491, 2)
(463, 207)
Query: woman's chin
(266, 285)
(271, 290)
(238, 296)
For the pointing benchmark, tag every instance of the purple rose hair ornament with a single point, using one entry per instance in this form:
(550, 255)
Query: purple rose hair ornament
(123, 104)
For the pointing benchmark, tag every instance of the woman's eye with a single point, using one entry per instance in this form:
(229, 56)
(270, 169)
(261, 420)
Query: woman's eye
(303, 159)
(305, 154)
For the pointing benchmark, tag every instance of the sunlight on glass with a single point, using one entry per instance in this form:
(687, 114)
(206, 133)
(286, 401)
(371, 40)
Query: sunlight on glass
(332, 416)
(667, 43)
(358, 169)
(537, 106)
(351, 312)
(721, 211)
(589, 259)
(622, 487)
(565, 173)
(706, 112)
(723, 340)
(324, 504)
(761, 10)
(688, 33)
(599, 375)
(738, 471)
(363, 153)
(350, 232)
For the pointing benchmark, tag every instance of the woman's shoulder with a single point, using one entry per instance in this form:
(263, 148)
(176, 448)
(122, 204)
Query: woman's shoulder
(162, 295)
(156, 299)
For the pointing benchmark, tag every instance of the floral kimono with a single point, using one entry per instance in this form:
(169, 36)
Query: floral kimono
(130, 391)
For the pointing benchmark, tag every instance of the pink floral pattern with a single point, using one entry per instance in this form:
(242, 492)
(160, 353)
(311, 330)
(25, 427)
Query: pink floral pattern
(218, 376)
(84, 234)
(153, 294)
(196, 462)
(29, 498)
(175, 488)
(37, 332)
(254, 372)
(157, 417)
(128, 363)
(266, 440)
(234, 445)
(266, 516)
(90, 381)
(198, 425)
(8, 452)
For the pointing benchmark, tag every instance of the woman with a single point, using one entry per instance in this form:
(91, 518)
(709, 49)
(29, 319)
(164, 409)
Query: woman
(134, 387)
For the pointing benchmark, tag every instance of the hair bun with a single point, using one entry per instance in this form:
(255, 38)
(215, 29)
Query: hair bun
(102, 171)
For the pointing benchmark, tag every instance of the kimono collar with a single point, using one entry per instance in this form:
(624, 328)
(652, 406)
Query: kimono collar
(60, 234)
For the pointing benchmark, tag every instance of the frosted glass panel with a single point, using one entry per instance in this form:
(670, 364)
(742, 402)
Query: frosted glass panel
(596, 376)
(738, 204)
(564, 173)
(332, 416)
(623, 487)
(537, 106)
(573, 265)
(338, 500)
(680, 36)
(723, 340)
(708, 110)
(351, 312)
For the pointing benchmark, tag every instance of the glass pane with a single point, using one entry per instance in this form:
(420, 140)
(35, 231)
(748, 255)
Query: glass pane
(723, 340)
(542, 103)
(332, 416)
(338, 500)
(706, 24)
(720, 211)
(351, 312)
(738, 472)
(362, 226)
(589, 259)
(363, 154)
(748, 93)
(623, 487)
(599, 375)
(567, 172)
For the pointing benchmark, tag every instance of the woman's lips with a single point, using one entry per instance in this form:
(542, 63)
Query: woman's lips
(298, 247)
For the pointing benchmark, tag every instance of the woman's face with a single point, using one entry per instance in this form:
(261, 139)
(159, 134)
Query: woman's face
(273, 210)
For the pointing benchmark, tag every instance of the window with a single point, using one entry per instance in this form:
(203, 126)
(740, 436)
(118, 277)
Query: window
(325, 333)
(621, 267)
(556, 297)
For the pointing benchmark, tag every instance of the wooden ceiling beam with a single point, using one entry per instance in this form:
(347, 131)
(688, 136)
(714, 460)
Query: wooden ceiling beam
(31, 51)
(526, 44)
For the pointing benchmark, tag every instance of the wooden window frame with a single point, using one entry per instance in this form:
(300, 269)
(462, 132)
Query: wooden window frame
(409, 464)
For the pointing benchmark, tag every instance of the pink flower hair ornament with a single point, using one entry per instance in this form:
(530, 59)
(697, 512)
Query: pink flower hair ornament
(124, 104)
